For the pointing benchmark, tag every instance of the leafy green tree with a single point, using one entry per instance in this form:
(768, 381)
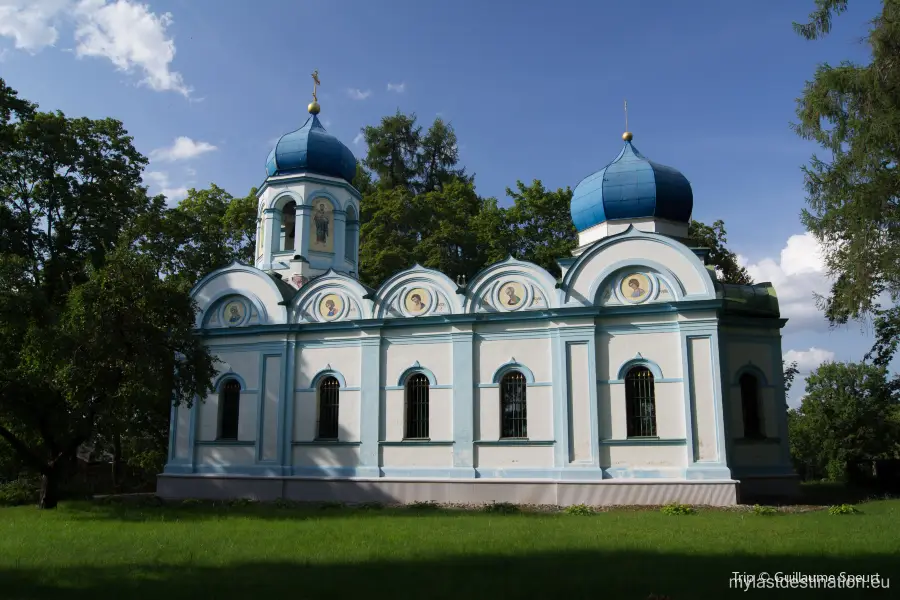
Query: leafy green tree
(387, 234)
(438, 158)
(714, 238)
(394, 150)
(542, 223)
(853, 112)
(790, 373)
(89, 333)
(846, 415)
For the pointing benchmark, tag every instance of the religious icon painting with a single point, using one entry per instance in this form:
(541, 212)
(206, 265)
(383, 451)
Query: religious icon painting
(512, 295)
(331, 306)
(635, 288)
(234, 313)
(417, 301)
(321, 227)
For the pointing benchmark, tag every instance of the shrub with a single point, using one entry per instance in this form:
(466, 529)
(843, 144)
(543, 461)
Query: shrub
(326, 505)
(767, 511)
(371, 506)
(674, 508)
(283, 503)
(582, 510)
(18, 492)
(418, 505)
(191, 502)
(503, 508)
(241, 502)
(843, 509)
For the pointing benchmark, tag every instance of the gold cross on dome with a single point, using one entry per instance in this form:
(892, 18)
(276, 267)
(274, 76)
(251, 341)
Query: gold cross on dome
(316, 83)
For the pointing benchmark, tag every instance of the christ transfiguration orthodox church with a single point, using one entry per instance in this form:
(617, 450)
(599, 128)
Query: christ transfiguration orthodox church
(636, 378)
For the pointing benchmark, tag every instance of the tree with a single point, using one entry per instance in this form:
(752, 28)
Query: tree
(393, 150)
(846, 415)
(714, 238)
(89, 333)
(790, 372)
(853, 112)
(542, 222)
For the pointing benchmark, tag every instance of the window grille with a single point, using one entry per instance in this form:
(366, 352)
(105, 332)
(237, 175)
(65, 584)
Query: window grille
(329, 396)
(513, 406)
(230, 410)
(750, 406)
(640, 399)
(417, 407)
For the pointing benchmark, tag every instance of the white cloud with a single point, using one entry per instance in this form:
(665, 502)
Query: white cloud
(809, 360)
(31, 23)
(359, 138)
(131, 37)
(182, 148)
(396, 87)
(358, 94)
(160, 182)
(797, 274)
(126, 32)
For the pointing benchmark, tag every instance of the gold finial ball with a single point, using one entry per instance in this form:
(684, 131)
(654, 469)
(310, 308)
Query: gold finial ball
(627, 136)
(313, 108)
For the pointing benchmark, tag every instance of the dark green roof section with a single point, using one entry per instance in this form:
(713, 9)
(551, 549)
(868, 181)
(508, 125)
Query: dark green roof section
(758, 299)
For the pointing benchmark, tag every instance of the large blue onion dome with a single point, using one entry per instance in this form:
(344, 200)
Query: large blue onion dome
(631, 187)
(311, 149)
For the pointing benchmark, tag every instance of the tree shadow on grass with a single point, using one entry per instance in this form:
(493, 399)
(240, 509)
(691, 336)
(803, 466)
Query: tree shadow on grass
(567, 575)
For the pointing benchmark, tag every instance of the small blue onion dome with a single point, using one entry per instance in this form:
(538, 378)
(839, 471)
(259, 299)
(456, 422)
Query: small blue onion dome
(631, 187)
(311, 149)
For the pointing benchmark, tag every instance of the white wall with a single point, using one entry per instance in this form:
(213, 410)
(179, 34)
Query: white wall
(704, 402)
(499, 457)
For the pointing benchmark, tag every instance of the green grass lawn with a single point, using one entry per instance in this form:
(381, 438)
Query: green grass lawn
(96, 551)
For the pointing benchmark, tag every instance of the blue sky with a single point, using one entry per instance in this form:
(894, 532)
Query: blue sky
(534, 90)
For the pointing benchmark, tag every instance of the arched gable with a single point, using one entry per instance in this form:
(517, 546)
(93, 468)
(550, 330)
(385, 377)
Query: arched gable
(248, 286)
(511, 285)
(224, 376)
(329, 297)
(416, 368)
(646, 254)
(512, 365)
(317, 194)
(417, 292)
(283, 197)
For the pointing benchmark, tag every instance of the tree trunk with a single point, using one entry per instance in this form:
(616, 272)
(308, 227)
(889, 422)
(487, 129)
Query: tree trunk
(49, 488)
(117, 461)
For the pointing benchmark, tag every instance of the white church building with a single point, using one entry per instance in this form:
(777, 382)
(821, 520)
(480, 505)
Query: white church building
(636, 378)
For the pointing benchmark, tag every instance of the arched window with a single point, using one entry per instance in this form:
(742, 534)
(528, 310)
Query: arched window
(288, 229)
(329, 393)
(229, 410)
(640, 402)
(750, 406)
(417, 407)
(513, 417)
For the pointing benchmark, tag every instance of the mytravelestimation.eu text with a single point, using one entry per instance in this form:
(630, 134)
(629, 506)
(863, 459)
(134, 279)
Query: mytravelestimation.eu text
(810, 581)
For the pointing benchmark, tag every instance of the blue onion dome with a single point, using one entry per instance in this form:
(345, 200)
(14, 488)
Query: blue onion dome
(631, 187)
(311, 149)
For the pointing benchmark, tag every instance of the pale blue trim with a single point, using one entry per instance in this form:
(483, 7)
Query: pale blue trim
(514, 335)
(225, 375)
(314, 383)
(638, 328)
(428, 472)
(284, 431)
(326, 443)
(173, 432)
(560, 401)
(265, 470)
(294, 196)
(648, 441)
(689, 408)
(755, 371)
(463, 400)
(514, 442)
(483, 279)
(433, 338)
(309, 390)
(703, 470)
(370, 402)
(261, 405)
(639, 361)
(531, 385)
(621, 473)
(329, 472)
(512, 366)
(416, 442)
(303, 177)
(248, 443)
(718, 399)
(417, 368)
(312, 195)
(246, 347)
(655, 380)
